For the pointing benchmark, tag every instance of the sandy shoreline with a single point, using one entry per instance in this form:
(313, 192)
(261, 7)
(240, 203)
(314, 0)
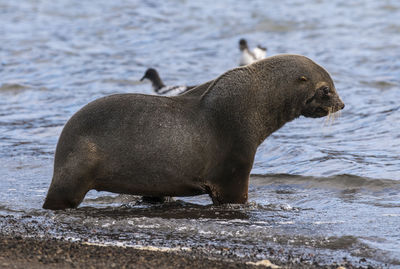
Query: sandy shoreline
(17, 251)
(29, 242)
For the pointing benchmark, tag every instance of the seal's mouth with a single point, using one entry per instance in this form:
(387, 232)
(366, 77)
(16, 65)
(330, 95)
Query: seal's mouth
(321, 112)
(317, 113)
(324, 102)
(317, 109)
(325, 111)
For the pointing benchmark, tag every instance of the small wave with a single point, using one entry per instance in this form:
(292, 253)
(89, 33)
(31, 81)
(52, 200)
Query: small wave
(328, 222)
(140, 247)
(344, 181)
(381, 83)
(7, 210)
(12, 87)
(391, 215)
(110, 199)
(125, 82)
(275, 26)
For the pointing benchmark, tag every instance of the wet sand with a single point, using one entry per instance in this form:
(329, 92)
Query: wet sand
(23, 251)
(19, 252)
(30, 242)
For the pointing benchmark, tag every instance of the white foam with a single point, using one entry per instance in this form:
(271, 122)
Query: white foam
(139, 247)
(286, 222)
(328, 222)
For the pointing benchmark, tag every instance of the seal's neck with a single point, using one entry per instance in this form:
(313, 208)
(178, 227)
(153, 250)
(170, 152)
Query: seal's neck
(250, 104)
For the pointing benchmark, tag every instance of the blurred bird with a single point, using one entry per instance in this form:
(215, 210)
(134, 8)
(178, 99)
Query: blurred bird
(160, 88)
(248, 56)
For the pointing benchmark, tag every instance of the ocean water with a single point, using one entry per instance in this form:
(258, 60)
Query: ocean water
(324, 186)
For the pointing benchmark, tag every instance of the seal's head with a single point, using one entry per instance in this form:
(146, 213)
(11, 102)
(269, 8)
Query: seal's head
(323, 101)
(302, 87)
(321, 98)
(243, 44)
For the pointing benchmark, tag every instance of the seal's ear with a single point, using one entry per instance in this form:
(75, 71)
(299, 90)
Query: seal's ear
(303, 78)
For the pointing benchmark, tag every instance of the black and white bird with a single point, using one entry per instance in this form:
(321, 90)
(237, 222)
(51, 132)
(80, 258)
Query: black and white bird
(160, 88)
(249, 57)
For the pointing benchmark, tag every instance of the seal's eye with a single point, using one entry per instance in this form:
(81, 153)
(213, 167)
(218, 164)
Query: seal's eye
(303, 78)
(325, 90)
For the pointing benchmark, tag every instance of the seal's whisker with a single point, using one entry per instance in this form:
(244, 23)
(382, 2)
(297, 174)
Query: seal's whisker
(328, 117)
(339, 114)
(333, 118)
(336, 115)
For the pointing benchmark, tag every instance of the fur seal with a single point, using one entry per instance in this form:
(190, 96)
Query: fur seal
(201, 142)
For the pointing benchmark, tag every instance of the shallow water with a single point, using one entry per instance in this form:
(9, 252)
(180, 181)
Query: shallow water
(317, 186)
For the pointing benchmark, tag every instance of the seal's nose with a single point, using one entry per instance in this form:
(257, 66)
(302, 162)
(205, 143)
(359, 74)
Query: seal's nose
(340, 104)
